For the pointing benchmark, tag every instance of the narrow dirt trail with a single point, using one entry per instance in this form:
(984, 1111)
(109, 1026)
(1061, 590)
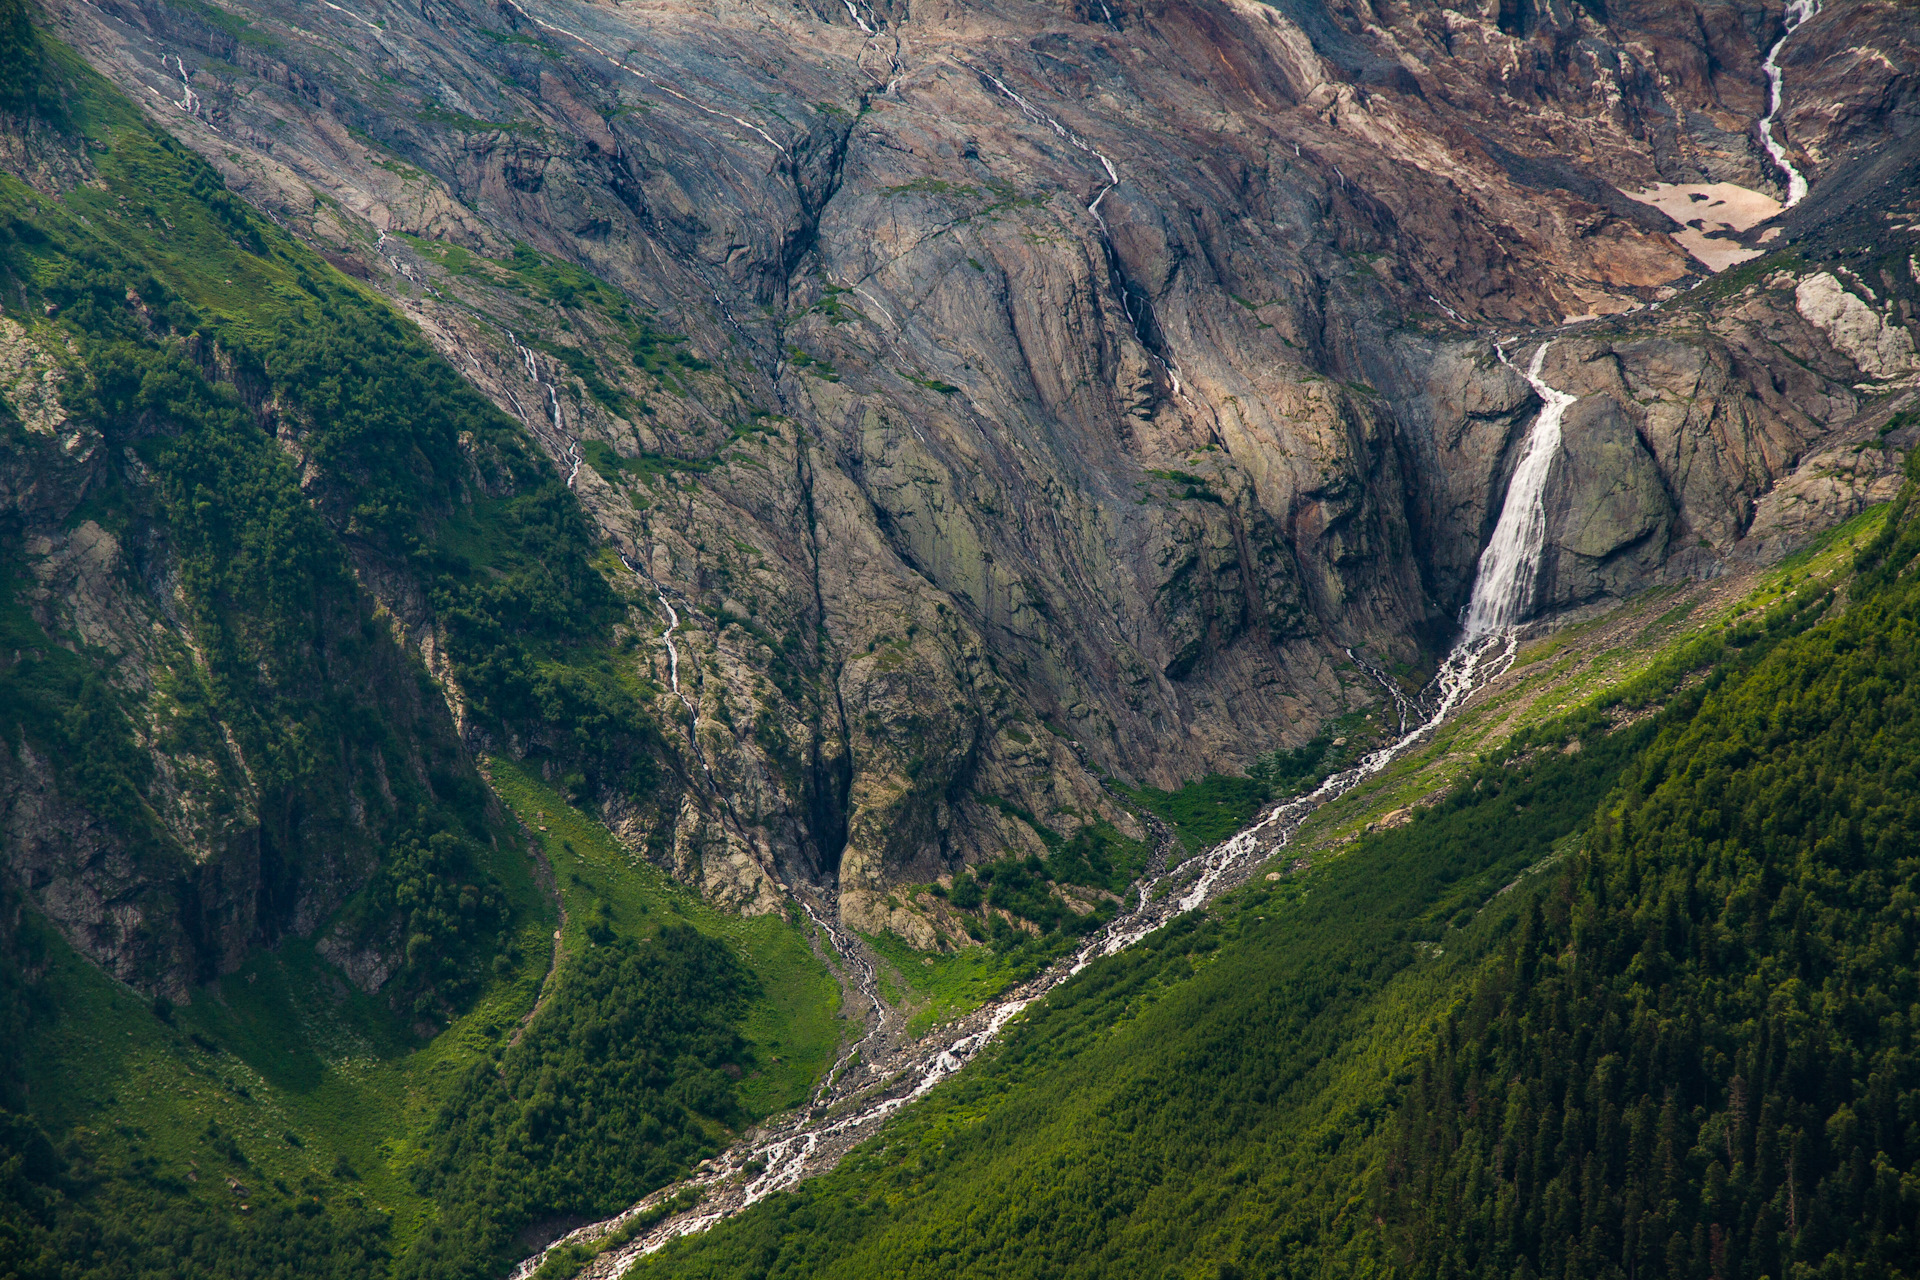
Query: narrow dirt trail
(552, 886)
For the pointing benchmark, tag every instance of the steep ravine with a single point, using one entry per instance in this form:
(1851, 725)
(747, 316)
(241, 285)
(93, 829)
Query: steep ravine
(918, 428)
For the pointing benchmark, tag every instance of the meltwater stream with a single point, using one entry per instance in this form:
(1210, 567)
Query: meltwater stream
(1798, 14)
(850, 1104)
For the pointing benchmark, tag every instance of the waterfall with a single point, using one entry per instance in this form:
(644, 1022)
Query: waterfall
(1509, 571)
(673, 656)
(1799, 12)
(1503, 595)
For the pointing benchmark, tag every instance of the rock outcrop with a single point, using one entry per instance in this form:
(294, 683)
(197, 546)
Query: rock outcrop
(1879, 347)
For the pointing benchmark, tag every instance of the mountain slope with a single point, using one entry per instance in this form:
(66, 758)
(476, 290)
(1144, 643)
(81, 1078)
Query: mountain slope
(1683, 1051)
(530, 528)
(1009, 395)
(268, 932)
(1714, 1019)
(224, 733)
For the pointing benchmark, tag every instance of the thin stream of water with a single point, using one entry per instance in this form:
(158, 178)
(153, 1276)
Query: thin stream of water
(673, 660)
(1798, 14)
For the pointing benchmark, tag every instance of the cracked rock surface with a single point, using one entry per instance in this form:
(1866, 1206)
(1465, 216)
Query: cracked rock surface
(1068, 386)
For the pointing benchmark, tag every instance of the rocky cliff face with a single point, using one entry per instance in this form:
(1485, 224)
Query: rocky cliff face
(1003, 396)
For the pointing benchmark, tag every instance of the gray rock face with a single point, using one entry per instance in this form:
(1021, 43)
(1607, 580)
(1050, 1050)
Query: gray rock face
(1610, 518)
(1880, 348)
(1080, 381)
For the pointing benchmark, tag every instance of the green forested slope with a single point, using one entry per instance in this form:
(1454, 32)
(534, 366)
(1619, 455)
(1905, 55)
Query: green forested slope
(271, 431)
(1202, 1097)
(1704, 1058)
(359, 1150)
(1683, 1048)
(615, 1089)
(266, 428)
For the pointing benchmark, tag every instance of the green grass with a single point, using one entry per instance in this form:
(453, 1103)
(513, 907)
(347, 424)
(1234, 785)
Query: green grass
(944, 985)
(1671, 618)
(612, 466)
(796, 1018)
(298, 1054)
(285, 1045)
(1206, 812)
(941, 985)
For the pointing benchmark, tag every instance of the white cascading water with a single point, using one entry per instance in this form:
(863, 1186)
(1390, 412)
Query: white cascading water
(1162, 358)
(673, 661)
(1798, 14)
(801, 1146)
(1509, 571)
(1504, 586)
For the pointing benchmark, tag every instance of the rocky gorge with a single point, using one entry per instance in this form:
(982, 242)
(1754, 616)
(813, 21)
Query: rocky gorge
(768, 637)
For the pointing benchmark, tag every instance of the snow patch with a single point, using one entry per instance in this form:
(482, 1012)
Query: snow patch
(1708, 212)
